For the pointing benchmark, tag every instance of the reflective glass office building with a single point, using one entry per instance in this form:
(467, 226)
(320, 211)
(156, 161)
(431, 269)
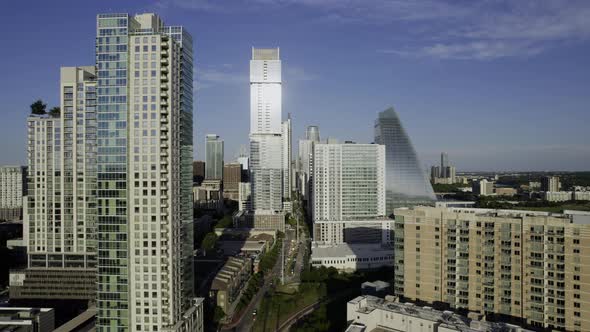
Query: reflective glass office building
(406, 183)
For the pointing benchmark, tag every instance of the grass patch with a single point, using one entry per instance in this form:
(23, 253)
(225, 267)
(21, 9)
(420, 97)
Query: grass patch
(277, 307)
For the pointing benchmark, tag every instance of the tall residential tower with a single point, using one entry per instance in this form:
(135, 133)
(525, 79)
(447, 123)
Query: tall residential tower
(266, 157)
(349, 193)
(145, 241)
(60, 211)
(305, 163)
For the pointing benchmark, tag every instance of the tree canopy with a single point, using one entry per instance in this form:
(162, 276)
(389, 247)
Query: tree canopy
(209, 241)
(55, 111)
(38, 107)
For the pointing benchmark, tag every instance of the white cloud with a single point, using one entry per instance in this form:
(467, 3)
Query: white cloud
(485, 30)
(208, 76)
(295, 73)
(480, 30)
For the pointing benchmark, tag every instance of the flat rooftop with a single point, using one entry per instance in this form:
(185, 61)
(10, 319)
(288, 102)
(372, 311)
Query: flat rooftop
(571, 216)
(444, 318)
(350, 249)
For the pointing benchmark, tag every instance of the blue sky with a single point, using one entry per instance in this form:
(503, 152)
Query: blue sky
(499, 85)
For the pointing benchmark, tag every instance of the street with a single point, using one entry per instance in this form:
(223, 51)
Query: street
(247, 320)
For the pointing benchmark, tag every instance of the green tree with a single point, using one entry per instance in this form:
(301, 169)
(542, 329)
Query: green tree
(218, 314)
(55, 111)
(38, 107)
(209, 242)
(225, 222)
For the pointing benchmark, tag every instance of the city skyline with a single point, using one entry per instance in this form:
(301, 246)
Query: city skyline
(159, 195)
(492, 97)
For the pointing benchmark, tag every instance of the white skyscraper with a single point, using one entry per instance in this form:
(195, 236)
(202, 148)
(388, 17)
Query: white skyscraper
(266, 144)
(305, 178)
(60, 218)
(349, 193)
(287, 156)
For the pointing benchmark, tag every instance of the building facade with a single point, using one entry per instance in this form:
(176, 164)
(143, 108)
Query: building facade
(12, 186)
(349, 191)
(350, 257)
(483, 187)
(245, 196)
(305, 164)
(232, 176)
(266, 142)
(61, 206)
(406, 183)
(531, 267)
(27, 319)
(229, 281)
(198, 172)
(557, 196)
(214, 161)
(287, 156)
(550, 183)
(145, 215)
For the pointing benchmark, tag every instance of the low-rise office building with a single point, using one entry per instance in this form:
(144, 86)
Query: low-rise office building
(505, 191)
(373, 314)
(527, 265)
(349, 257)
(263, 221)
(582, 195)
(557, 196)
(375, 230)
(27, 319)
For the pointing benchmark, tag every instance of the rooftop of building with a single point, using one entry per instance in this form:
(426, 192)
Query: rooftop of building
(356, 328)
(229, 270)
(14, 318)
(265, 53)
(570, 216)
(376, 284)
(319, 250)
(368, 303)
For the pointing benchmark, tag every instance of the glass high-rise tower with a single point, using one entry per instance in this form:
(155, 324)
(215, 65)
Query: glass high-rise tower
(214, 161)
(406, 183)
(144, 168)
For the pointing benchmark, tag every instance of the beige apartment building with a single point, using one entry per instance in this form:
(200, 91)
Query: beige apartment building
(531, 266)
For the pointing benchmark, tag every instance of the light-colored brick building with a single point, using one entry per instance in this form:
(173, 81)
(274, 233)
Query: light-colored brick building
(523, 264)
